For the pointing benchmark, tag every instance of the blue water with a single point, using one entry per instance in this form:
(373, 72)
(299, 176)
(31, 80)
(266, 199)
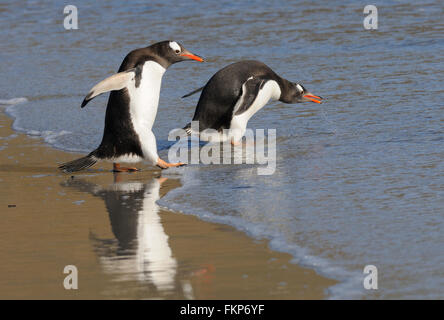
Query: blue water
(359, 179)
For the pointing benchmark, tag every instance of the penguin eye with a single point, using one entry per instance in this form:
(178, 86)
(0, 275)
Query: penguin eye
(175, 46)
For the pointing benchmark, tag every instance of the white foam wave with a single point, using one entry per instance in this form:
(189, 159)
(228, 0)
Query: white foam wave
(349, 281)
(13, 101)
(49, 137)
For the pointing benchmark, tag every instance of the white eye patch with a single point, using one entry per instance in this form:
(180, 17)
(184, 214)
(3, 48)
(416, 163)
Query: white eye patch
(174, 46)
(298, 86)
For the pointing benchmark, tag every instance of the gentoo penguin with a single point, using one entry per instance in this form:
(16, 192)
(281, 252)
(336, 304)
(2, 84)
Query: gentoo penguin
(235, 93)
(132, 108)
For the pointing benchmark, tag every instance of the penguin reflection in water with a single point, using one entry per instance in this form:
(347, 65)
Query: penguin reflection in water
(141, 249)
(139, 234)
(132, 108)
(235, 93)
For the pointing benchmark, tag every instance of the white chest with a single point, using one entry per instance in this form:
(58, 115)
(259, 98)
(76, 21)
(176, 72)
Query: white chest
(144, 99)
(270, 91)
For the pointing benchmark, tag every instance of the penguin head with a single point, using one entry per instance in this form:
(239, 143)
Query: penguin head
(297, 93)
(172, 52)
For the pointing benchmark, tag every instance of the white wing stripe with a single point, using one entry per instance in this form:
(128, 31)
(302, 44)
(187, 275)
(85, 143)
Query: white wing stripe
(115, 82)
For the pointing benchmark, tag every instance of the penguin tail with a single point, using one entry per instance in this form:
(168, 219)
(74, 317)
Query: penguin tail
(187, 129)
(193, 92)
(79, 164)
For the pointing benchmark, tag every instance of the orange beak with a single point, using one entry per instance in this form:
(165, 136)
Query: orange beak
(191, 56)
(313, 98)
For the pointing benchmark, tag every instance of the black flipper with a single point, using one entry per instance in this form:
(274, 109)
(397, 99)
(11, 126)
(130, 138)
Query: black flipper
(79, 164)
(86, 100)
(117, 81)
(250, 90)
(193, 92)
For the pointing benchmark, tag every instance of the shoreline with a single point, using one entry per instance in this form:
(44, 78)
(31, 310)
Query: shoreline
(124, 245)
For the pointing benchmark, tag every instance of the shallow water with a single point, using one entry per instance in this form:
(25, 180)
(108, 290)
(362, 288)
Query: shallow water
(359, 179)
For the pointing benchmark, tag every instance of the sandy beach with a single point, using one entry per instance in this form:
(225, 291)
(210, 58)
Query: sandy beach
(93, 220)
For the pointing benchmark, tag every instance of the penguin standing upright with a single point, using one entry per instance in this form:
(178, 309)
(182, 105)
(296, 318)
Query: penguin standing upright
(132, 108)
(235, 93)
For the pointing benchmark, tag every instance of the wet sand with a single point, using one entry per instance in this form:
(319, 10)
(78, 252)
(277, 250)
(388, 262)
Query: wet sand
(123, 245)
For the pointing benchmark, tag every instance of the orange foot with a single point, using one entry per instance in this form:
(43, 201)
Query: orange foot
(165, 165)
(118, 168)
(162, 180)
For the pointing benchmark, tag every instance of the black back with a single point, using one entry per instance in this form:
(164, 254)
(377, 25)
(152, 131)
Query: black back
(220, 94)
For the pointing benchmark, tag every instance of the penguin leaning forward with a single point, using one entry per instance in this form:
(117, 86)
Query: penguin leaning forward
(235, 93)
(132, 108)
